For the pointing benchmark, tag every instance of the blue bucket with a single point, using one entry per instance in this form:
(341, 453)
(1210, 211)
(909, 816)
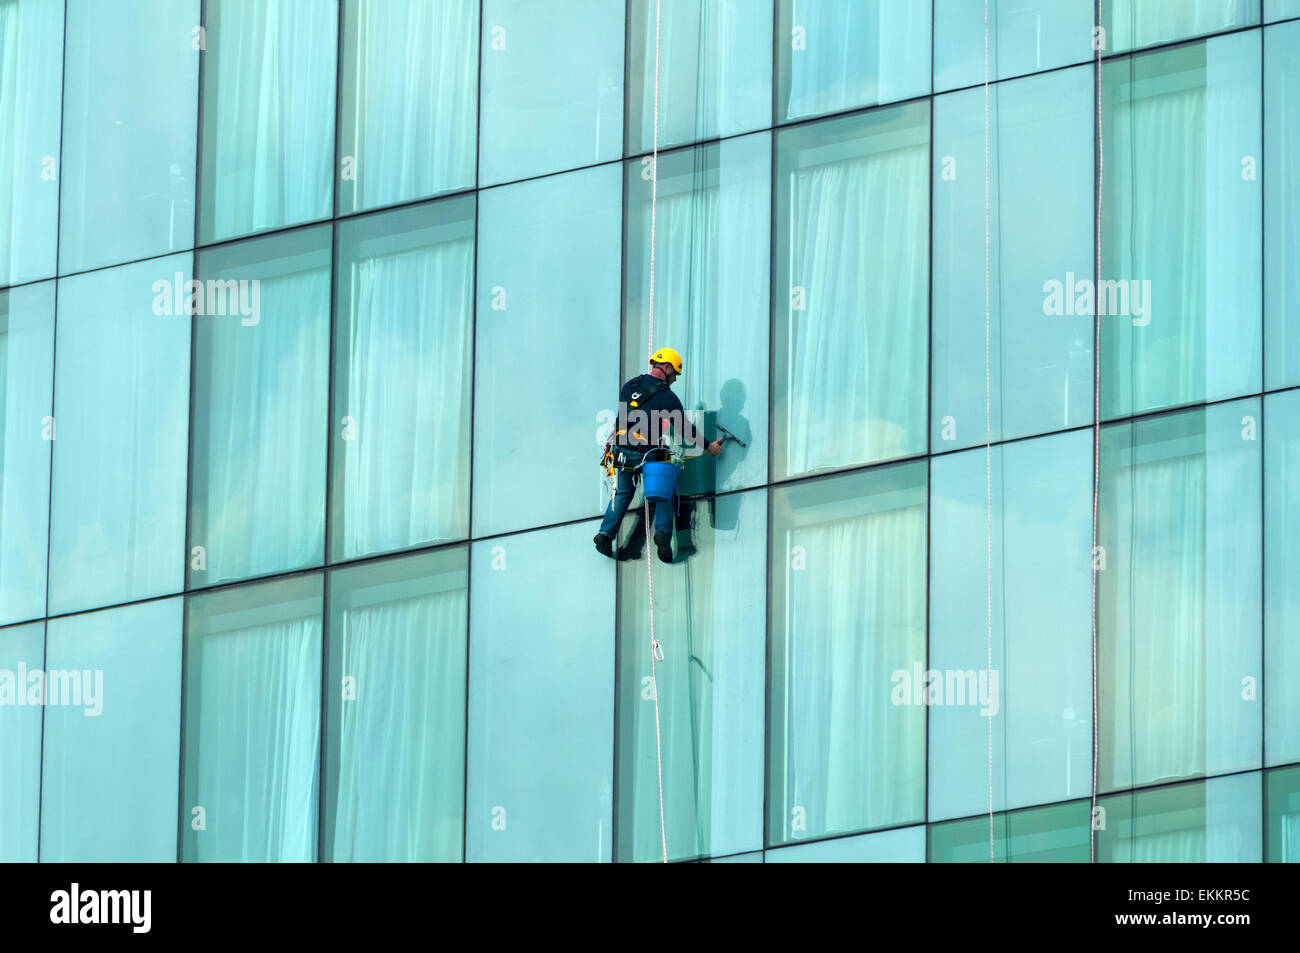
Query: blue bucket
(660, 480)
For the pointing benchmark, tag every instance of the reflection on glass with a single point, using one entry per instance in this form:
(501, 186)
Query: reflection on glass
(548, 326)
(1025, 36)
(110, 768)
(541, 698)
(552, 87)
(1039, 692)
(709, 617)
(1055, 834)
(1040, 361)
(1131, 24)
(1281, 569)
(22, 648)
(26, 414)
(121, 399)
(129, 129)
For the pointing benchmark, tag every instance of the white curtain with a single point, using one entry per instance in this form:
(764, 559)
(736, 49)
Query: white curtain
(405, 475)
(1290, 837)
(272, 138)
(1145, 22)
(401, 747)
(415, 84)
(1159, 661)
(858, 52)
(265, 433)
(258, 742)
(9, 106)
(856, 356)
(1161, 238)
(855, 615)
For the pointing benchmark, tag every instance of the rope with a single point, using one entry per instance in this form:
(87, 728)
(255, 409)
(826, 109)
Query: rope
(988, 416)
(656, 652)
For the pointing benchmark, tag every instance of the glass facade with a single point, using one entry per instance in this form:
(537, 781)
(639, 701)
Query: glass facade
(313, 315)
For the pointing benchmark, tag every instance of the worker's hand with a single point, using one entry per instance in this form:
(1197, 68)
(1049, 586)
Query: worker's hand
(714, 448)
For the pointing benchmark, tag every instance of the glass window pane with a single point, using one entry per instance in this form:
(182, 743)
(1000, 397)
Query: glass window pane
(122, 403)
(1179, 597)
(1040, 157)
(1054, 834)
(851, 306)
(713, 247)
(753, 858)
(1131, 24)
(709, 616)
(1282, 199)
(552, 87)
(847, 590)
(257, 481)
(1181, 227)
(252, 722)
(395, 731)
(405, 307)
(541, 699)
(129, 128)
(1215, 821)
(1280, 10)
(548, 292)
(110, 765)
(1025, 36)
(715, 70)
(268, 115)
(1281, 570)
(1039, 693)
(905, 845)
(836, 55)
(409, 100)
(27, 392)
(22, 655)
(1282, 796)
(31, 96)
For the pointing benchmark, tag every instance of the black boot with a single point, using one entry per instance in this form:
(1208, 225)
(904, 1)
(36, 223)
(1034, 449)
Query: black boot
(665, 544)
(604, 545)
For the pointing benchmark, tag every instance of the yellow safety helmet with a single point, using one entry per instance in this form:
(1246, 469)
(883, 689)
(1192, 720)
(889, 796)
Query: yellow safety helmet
(666, 355)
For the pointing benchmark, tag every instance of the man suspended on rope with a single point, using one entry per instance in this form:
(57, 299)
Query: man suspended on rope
(647, 409)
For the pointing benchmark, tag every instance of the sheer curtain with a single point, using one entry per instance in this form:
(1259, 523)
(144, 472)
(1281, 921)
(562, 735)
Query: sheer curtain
(264, 433)
(1144, 22)
(271, 138)
(258, 742)
(415, 86)
(1158, 662)
(401, 755)
(405, 478)
(714, 60)
(853, 759)
(858, 52)
(30, 71)
(859, 250)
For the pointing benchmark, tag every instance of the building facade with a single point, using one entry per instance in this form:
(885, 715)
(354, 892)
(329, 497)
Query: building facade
(313, 316)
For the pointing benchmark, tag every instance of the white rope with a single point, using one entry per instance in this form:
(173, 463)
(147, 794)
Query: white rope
(1096, 459)
(656, 653)
(988, 416)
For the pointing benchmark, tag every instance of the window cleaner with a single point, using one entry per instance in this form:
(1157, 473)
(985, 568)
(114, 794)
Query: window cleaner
(647, 410)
